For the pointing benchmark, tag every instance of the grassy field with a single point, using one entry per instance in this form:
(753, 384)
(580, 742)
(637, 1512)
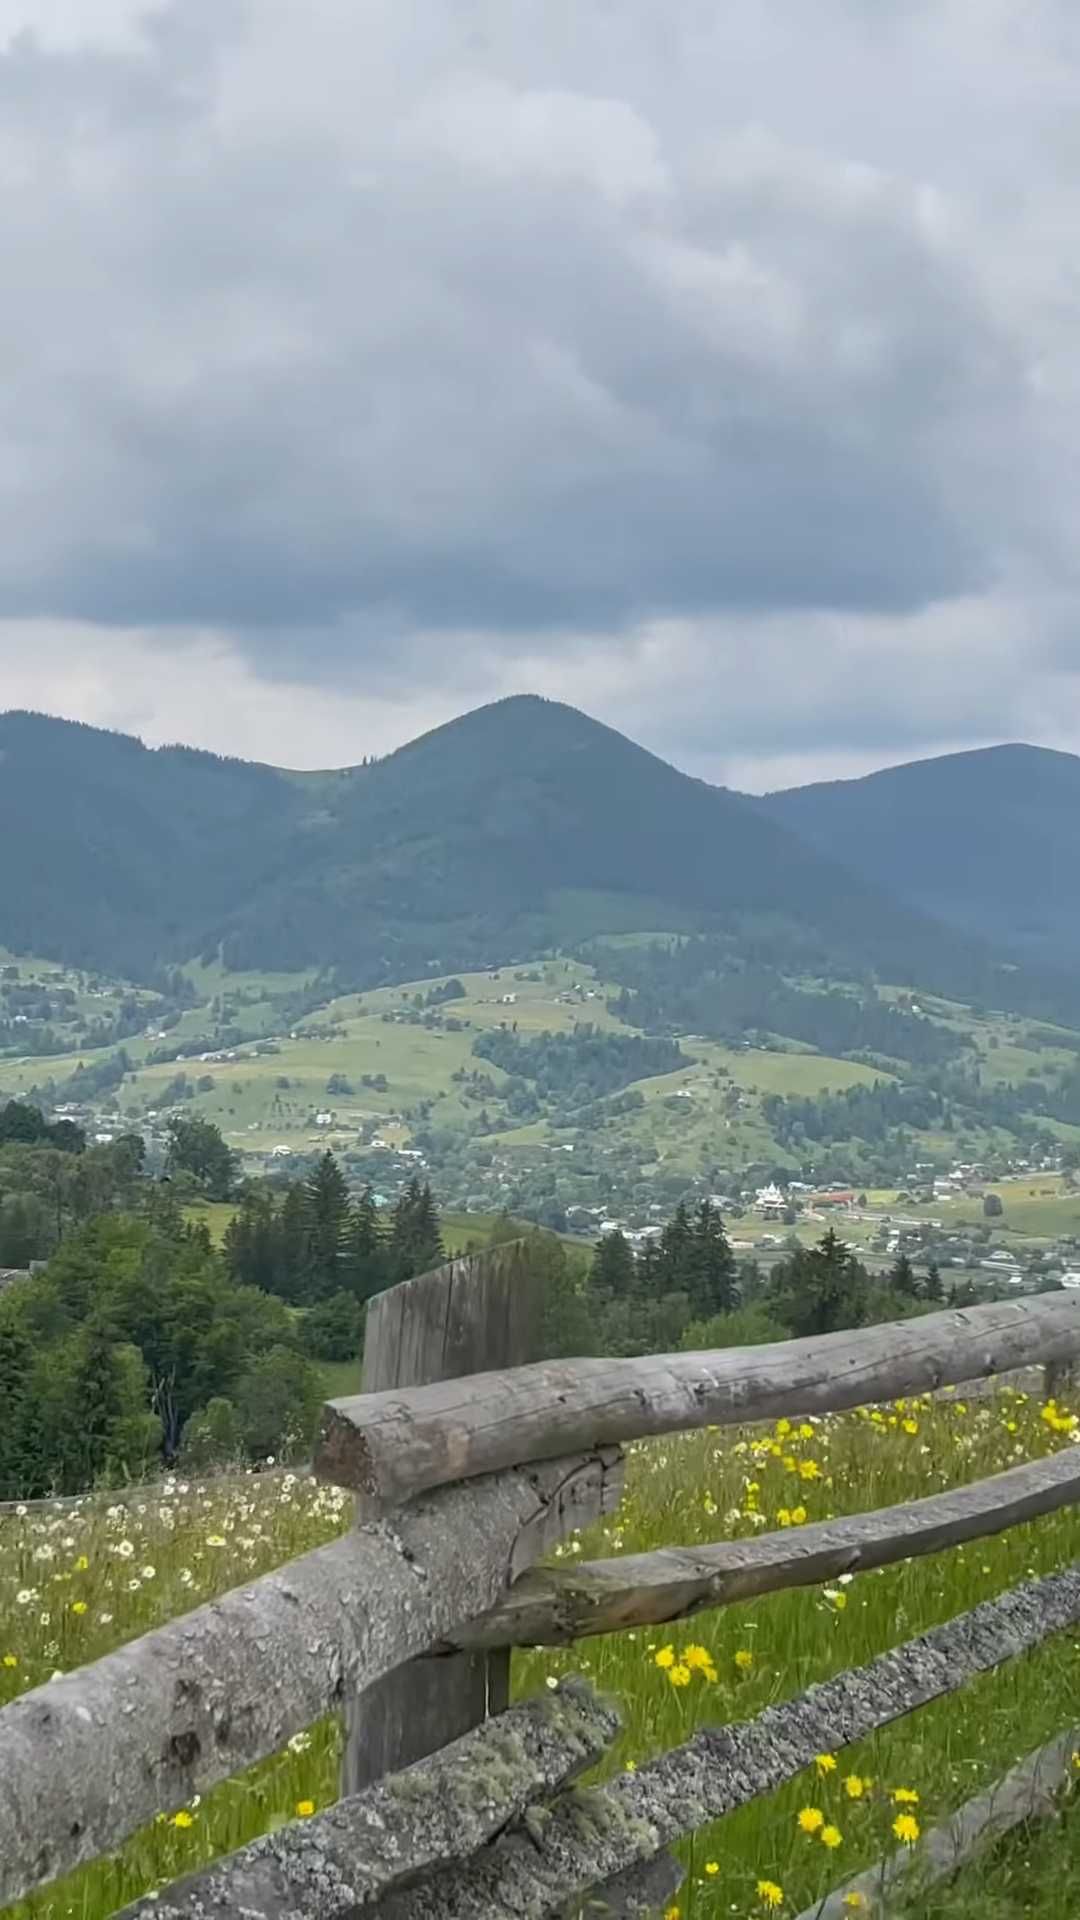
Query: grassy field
(73, 1585)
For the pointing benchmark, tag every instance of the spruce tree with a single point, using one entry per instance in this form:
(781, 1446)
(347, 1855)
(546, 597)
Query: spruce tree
(612, 1275)
(932, 1287)
(326, 1222)
(902, 1278)
(365, 1255)
(710, 1265)
(673, 1265)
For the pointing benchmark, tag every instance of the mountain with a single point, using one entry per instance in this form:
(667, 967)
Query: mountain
(517, 827)
(987, 841)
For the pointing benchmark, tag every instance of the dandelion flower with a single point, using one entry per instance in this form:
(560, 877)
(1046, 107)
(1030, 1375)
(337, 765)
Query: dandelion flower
(679, 1675)
(798, 1516)
(811, 1819)
(665, 1657)
(712, 1867)
(905, 1797)
(305, 1809)
(825, 1763)
(854, 1786)
(910, 1426)
(768, 1893)
(12, 1660)
(78, 1606)
(744, 1659)
(696, 1658)
(831, 1837)
(183, 1818)
(906, 1828)
(855, 1899)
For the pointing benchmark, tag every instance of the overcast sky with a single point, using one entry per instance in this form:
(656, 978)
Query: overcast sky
(713, 367)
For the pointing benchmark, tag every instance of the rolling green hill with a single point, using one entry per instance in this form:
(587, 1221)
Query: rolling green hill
(520, 827)
(986, 841)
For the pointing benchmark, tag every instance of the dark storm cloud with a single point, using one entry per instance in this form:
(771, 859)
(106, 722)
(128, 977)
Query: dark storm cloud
(715, 367)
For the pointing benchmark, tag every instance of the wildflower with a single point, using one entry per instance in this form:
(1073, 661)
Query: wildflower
(836, 1599)
(148, 1573)
(910, 1426)
(783, 1516)
(679, 1675)
(905, 1797)
(854, 1786)
(671, 1913)
(82, 1564)
(809, 1470)
(696, 1658)
(215, 1540)
(906, 1828)
(78, 1606)
(783, 1427)
(24, 1596)
(125, 1549)
(300, 1743)
(806, 1432)
(855, 1899)
(825, 1763)
(811, 1819)
(305, 1809)
(183, 1818)
(12, 1660)
(712, 1867)
(665, 1657)
(744, 1659)
(798, 1516)
(768, 1893)
(831, 1837)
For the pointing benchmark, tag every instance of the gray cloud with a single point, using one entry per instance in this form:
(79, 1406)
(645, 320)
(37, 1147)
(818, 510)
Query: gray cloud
(451, 348)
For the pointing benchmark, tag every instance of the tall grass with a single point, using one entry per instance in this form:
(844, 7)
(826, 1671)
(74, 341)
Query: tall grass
(74, 1585)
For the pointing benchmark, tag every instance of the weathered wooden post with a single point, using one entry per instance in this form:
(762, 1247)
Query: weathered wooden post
(482, 1311)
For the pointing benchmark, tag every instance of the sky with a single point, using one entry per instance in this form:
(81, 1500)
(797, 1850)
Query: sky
(715, 368)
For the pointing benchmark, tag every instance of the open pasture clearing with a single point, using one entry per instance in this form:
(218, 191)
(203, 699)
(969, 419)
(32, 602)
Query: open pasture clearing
(74, 1584)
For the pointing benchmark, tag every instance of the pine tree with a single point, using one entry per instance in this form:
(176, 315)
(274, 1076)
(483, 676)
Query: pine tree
(932, 1287)
(902, 1278)
(415, 1234)
(612, 1275)
(819, 1290)
(365, 1254)
(326, 1222)
(710, 1265)
(16, 1358)
(293, 1245)
(673, 1264)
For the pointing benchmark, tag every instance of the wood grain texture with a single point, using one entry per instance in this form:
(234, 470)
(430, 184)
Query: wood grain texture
(550, 1607)
(590, 1835)
(436, 1813)
(390, 1446)
(472, 1314)
(90, 1757)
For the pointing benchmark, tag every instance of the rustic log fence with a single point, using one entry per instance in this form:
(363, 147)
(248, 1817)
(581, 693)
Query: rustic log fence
(470, 1460)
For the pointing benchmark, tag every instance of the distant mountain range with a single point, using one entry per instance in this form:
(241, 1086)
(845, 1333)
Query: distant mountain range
(525, 825)
(986, 840)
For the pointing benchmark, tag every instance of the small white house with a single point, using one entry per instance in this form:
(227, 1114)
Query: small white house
(1071, 1279)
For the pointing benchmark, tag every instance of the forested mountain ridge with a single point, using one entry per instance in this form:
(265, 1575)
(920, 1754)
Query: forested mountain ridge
(985, 840)
(515, 828)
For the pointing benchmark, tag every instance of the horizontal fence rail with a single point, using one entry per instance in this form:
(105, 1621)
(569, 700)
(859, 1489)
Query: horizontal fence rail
(391, 1446)
(550, 1607)
(590, 1835)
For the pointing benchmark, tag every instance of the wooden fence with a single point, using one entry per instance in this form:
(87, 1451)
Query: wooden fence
(469, 1462)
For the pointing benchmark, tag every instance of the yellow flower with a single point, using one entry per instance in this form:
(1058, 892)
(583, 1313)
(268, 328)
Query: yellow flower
(696, 1658)
(855, 1899)
(798, 1516)
(905, 1797)
(679, 1676)
(789, 1463)
(711, 1867)
(769, 1893)
(783, 1427)
(825, 1763)
(12, 1660)
(809, 1470)
(671, 1913)
(854, 1786)
(831, 1837)
(783, 1516)
(665, 1657)
(305, 1809)
(82, 1564)
(910, 1426)
(906, 1828)
(78, 1606)
(811, 1819)
(806, 1432)
(183, 1818)
(744, 1659)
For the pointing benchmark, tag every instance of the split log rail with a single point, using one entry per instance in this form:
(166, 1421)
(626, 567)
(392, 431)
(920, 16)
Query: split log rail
(470, 1460)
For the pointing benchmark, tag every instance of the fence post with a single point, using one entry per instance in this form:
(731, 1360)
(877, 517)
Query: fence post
(481, 1311)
